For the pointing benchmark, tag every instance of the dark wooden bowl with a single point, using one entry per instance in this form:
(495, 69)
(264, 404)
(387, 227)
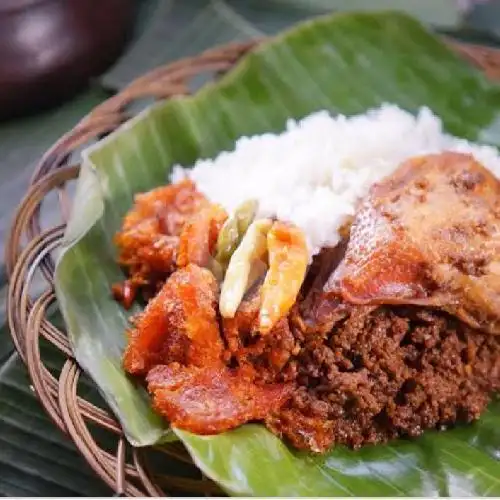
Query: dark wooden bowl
(50, 49)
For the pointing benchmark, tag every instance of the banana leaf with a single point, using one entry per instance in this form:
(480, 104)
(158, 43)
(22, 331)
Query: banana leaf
(36, 459)
(344, 63)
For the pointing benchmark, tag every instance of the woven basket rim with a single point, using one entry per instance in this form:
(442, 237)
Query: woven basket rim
(27, 316)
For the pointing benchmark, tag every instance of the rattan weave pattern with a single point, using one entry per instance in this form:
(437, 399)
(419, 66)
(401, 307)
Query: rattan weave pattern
(29, 251)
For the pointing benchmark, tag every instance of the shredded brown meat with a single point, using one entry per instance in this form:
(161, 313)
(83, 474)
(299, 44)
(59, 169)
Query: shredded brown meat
(263, 355)
(384, 372)
(381, 341)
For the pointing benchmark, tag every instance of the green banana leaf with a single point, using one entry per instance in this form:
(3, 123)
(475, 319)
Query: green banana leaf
(36, 459)
(344, 63)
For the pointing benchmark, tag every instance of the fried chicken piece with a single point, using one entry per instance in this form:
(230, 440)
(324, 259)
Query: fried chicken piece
(179, 324)
(199, 236)
(149, 238)
(428, 235)
(315, 312)
(211, 399)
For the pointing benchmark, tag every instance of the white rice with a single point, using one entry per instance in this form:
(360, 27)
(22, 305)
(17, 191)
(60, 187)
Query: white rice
(314, 173)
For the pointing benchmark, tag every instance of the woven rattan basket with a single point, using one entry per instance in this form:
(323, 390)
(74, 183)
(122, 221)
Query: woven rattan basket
(28, 251)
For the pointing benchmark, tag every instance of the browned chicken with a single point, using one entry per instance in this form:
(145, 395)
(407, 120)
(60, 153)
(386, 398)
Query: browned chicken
(428, 235)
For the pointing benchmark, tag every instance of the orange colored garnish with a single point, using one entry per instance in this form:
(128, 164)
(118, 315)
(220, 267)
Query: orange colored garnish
(288, 259)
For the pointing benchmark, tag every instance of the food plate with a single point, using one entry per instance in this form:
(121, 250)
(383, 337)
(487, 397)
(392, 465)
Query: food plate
(343, 63)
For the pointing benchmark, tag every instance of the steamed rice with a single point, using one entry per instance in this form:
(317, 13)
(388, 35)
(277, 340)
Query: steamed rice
(314, 173)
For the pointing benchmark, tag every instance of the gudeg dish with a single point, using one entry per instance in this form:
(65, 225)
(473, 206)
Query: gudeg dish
(398, 61)
(381, 326)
